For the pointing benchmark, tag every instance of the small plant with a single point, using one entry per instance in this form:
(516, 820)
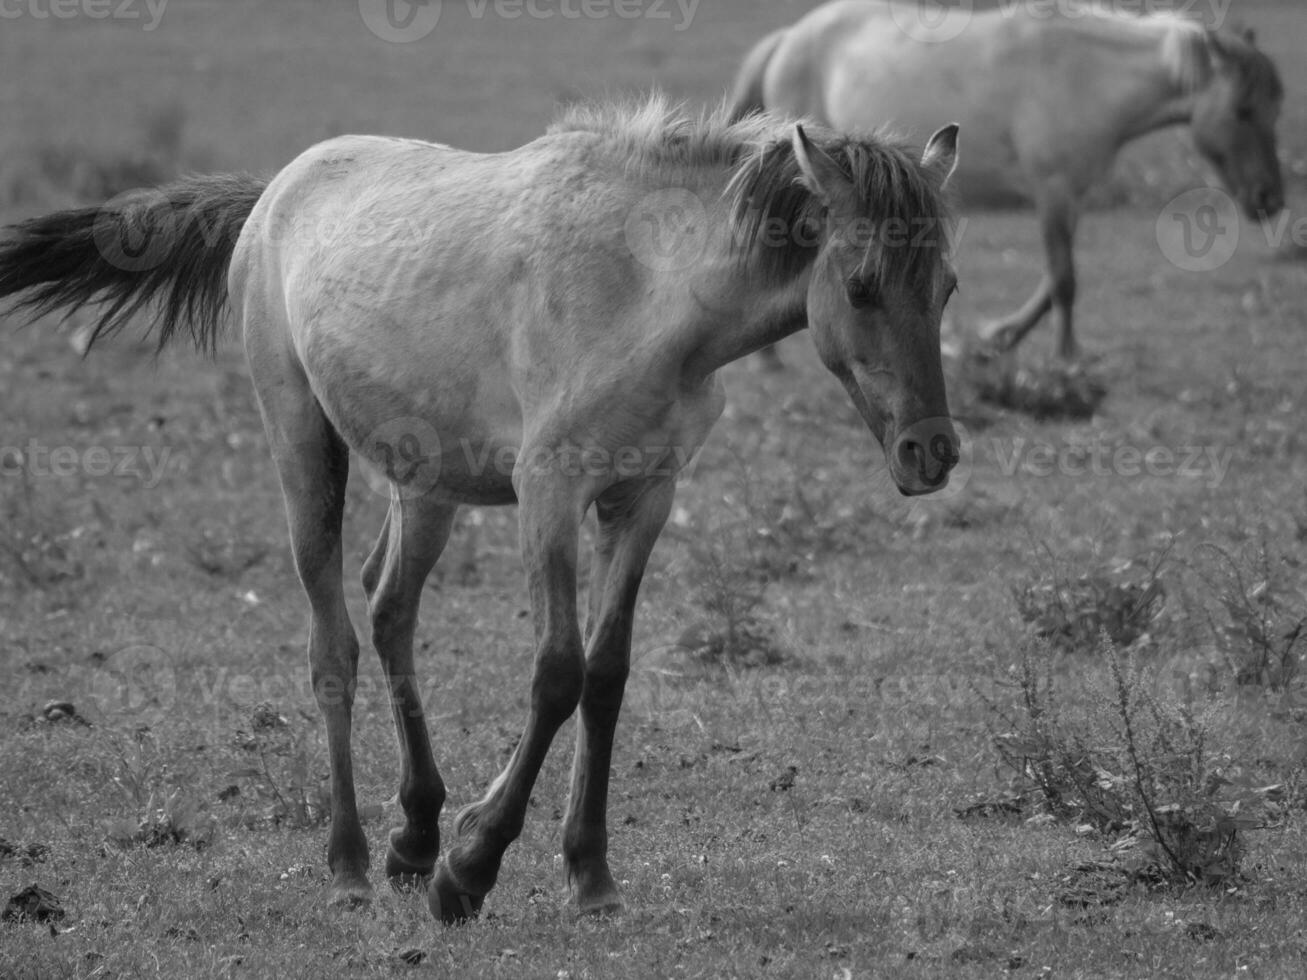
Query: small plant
(222, 552)
(176, 817)
(1135, 765)
(727, 578)
(1264, 629)
(1072, 613)
(1051, 391)
(160, 815)
(730, 596)
(283, 777)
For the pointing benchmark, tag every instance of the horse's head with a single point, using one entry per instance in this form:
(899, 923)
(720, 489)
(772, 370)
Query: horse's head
(876, 296)
(1234, 119)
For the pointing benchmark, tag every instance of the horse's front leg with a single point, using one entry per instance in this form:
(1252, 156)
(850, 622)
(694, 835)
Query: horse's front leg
(1059, 228)
(550, 515)
(1057, 288)
(630, 519)
(415, 533)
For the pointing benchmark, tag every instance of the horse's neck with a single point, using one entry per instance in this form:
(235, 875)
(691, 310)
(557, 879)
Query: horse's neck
(754, 312)
(737, 305)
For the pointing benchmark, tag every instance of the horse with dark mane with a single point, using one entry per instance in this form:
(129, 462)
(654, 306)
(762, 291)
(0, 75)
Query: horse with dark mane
(542, 326)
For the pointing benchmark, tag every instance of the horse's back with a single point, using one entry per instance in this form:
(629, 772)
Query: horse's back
(860, 65)
(409, 280)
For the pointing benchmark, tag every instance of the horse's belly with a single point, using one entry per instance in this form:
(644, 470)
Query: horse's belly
(420, 417)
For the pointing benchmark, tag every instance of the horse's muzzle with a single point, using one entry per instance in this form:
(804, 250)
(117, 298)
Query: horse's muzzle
(923, 456)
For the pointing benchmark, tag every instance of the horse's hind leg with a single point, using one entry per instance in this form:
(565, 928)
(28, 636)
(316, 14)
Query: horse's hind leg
(630, 519)
(313, 463)
(415, 533)
(1057, 289)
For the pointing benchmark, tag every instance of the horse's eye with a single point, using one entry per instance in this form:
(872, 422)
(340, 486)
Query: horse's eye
(860, 294)
(1245, 113)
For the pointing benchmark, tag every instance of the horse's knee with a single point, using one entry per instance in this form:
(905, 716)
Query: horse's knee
(559, 678)
(391, 617)
(605, 683)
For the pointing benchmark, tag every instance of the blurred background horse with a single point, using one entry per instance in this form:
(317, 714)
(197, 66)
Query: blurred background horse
(1046, 99)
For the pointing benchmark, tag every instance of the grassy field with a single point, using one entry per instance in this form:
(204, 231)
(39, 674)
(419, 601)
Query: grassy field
(789, 808)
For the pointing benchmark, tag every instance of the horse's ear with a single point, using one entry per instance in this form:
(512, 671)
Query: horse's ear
(941, 152)
(821, 174)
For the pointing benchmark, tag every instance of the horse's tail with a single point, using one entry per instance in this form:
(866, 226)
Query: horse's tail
(170, 247)
(746, 97)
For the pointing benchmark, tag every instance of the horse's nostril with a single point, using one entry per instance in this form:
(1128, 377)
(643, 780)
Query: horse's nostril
(912, 455)
(930, 462)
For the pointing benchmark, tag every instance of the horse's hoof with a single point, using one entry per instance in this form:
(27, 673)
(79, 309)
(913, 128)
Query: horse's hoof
(404, 874)
(998, 337)
(449, 901)
(349, 891)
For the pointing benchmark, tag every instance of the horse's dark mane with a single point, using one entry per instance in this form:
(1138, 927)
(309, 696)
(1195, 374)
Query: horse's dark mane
(1257, 72)
(908, 211)
(775, 215)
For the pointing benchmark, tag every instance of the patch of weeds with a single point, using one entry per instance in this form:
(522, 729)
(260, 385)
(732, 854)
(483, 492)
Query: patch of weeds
(1133, 764)
(729, 584)
(160, 815)
(221, 551)
(282, 777)
(800, 519)
(1123, 601)
(176, 817)
(1045, 392)
(25, 854)
(1264, 628)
